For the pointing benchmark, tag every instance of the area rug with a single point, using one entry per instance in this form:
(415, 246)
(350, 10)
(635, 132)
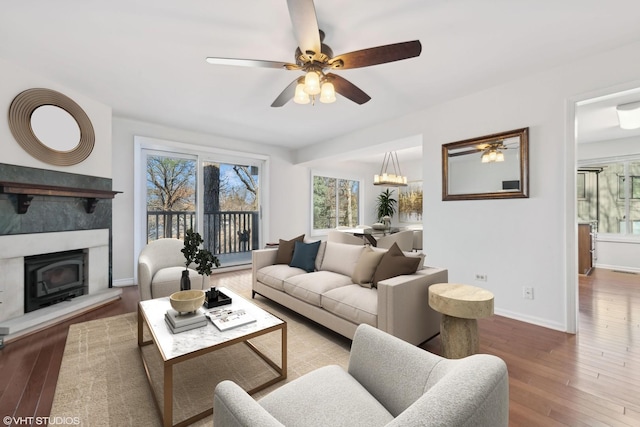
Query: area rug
(102, 381)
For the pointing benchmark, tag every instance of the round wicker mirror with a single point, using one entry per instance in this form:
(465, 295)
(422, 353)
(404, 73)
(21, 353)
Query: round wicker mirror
(52, 151)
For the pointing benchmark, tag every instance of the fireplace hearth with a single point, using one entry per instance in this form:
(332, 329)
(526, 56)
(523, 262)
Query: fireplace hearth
(53, 277)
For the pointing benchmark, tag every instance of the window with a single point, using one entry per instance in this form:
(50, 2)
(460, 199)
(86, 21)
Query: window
(634, 187)
(612, 197)
(582, 195)
(215, 192)
(336, 202)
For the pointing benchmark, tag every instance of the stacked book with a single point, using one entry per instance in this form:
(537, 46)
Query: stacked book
(183, 322)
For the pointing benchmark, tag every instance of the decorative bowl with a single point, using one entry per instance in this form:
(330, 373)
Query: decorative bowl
(378, 226)
(187, 301)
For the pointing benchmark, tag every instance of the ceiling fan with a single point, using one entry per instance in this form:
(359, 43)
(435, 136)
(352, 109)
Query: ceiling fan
(315, 58)
(491, 151)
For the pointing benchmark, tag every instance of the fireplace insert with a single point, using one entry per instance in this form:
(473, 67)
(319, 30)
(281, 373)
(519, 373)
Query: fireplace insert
(54, 277)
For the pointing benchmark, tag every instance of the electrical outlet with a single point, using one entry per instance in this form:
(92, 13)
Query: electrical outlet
(481, 277)
(527, 293)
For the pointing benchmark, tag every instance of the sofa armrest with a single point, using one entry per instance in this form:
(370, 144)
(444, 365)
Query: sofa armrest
(261, 258)
(232, 406)
(403, 305)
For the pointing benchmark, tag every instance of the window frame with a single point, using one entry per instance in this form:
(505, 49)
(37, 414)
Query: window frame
(337, 176)
(143, 145)
(626, 225)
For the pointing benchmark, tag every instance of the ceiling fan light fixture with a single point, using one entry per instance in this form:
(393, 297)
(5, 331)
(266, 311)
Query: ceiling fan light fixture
(301, 97)
(312, 83)
(492, 154)
(629, 115)
(327, 93)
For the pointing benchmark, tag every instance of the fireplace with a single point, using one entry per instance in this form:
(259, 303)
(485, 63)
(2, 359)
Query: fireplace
(53, 277)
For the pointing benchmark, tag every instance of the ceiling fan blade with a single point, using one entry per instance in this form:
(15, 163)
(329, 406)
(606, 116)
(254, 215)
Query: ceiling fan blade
(256, 63)
(377, 55)
(305, 25)
(287, 94)
(347, 89)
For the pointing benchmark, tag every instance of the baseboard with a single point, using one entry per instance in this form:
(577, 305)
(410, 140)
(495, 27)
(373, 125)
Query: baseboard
(621, 268)
(120, 283)
(531, 319)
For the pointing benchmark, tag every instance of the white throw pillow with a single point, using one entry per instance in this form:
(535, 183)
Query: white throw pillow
(341, 258)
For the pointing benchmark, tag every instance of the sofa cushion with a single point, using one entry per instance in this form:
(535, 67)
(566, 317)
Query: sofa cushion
(304, 255)
(320, 256)
(310, 286)
(341, 258)
(395, 263)
(354, 303)
(344, 401)
(366, 267)
(285, 249)
(275, 275)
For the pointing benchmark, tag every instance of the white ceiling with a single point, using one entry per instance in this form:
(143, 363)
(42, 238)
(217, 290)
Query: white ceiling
(146, 59)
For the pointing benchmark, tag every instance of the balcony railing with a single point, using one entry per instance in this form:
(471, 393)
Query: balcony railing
(225, 232)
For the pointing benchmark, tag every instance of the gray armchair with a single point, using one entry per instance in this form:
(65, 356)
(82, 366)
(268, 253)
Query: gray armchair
(389, 382)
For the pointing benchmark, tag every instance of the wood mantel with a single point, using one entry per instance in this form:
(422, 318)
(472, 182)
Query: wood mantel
(25, 193)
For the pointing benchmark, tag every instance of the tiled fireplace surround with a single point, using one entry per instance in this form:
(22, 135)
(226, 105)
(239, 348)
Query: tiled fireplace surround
(51, 224)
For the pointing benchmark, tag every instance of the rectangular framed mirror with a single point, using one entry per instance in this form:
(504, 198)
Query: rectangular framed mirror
(490, 167)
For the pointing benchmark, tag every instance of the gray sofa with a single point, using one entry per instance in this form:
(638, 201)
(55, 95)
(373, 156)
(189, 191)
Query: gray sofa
(329, 295)
(388, 383)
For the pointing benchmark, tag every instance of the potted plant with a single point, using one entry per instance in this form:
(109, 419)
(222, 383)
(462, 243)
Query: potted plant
(386, 206)
(193, 254)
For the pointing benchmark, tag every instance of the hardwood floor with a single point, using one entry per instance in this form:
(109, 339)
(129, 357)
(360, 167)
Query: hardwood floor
(556, 379)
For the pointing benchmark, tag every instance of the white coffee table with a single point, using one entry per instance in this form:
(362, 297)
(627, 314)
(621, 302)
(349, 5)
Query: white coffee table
(176, 348)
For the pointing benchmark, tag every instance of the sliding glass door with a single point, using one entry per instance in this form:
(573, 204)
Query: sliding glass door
(170, 195)
(231, 220)
(218, 197)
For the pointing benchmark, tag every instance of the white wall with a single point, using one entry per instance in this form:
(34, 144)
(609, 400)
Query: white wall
(15, 80)
(287, 186)
(518, 242)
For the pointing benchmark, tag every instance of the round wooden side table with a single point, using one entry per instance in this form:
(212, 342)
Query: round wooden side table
(461, 306)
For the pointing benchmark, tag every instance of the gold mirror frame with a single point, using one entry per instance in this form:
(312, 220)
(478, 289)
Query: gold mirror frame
(20, 111)
(476, 147)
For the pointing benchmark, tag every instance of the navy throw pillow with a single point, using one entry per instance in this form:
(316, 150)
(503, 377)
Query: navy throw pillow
(304, 256)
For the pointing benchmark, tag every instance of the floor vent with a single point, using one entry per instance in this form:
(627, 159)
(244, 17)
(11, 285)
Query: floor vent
(625, 272)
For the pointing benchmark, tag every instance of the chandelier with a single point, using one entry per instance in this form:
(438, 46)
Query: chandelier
(492, 153)
(312, 84)
(395, 179)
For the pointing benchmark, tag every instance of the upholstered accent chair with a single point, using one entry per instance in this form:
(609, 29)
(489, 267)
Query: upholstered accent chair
(160, 267)
(342, 237)
(417, 240)
(404, 239)
(389, 382)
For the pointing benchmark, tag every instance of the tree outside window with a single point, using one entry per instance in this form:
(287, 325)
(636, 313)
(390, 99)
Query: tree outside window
(611, 197)
(336, 202)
